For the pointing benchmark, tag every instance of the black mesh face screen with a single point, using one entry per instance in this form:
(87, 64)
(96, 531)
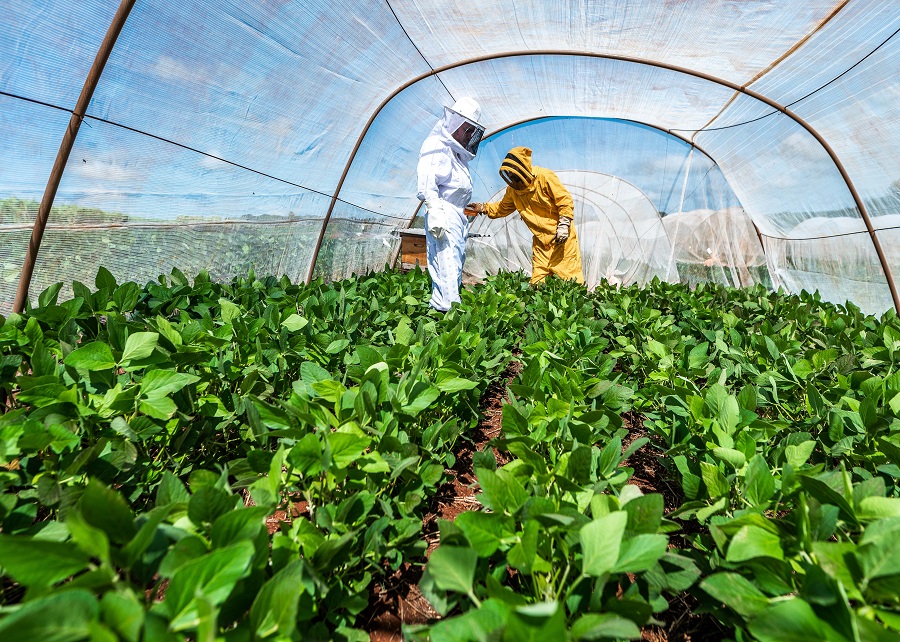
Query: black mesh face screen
(477, 135)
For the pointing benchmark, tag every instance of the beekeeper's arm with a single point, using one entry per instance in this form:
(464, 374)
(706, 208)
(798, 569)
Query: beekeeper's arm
(564, 206)
(494, 210)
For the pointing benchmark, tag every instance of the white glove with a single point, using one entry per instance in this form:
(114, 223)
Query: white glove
(562, 230)
(435, 217)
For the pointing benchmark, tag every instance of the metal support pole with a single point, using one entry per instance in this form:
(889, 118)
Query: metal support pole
(65, 148)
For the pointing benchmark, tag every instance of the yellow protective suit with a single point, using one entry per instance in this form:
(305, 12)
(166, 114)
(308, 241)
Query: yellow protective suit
(540, 205)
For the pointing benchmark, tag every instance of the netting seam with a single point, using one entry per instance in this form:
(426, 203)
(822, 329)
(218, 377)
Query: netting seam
(791, 104)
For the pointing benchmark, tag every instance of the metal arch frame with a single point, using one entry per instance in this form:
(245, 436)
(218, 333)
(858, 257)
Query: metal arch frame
(640, 61)
(525, 121)
(65, 148)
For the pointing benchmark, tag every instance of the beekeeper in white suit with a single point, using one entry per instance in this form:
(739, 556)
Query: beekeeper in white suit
(446, 187)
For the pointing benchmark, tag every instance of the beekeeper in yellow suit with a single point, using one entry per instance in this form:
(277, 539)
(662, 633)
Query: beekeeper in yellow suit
(545, 205)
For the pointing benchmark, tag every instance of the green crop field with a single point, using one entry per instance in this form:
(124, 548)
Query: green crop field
(256, 459)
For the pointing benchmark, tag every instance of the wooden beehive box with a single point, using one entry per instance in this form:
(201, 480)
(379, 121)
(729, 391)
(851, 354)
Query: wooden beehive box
(412, 250)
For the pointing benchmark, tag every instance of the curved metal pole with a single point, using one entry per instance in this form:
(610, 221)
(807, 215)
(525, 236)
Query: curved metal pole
(640, 61)
(624, 120)
(65, 148)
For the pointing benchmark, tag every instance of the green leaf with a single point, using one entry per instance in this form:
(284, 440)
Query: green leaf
(337, 346)
(306, 455)
(186, 549)
(716, 483)
(644, 513)
(403, 334)
(698, 357)
(275, 608)
(123, 612)
(640, 553)
(346, 448)
(524, 555)
(211, 577)
(34, 562)
(238, 525)
(610, 456)
(91, 540)
(797, 454)
(59, 617)
(791, 621)
(759, 485)
(825, 494)
(373, 462)
(138, 545)
(879, 558)
(536, 623)
(271, 416)
(105, 280)
(595, 626)
(724, 406)
(311, 372)
(230, 311)
(601, 540)
(126, 296)
(158, 407)
(422, 398)
(455, 384)
(475, 624)
(578, 468)
(91, 357)
(751, 542)
(453, 568)
(329, 390)
(731, 456)
(106, 509)
(704, 513)
(878, 507)
(168, 331)
(690, 483)
(500, 490)
(736, 592)
(483, 530)
(139, 345)
(295, 322)
(49, 296)
(208, 503)
(159, 383)
(171, 490)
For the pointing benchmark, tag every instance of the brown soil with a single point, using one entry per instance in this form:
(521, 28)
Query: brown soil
(394, 602)
(649, 474)
(273, 521)
(680, 624)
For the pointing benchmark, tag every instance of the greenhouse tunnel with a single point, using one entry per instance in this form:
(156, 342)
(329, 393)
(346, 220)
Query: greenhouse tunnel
(735, 142)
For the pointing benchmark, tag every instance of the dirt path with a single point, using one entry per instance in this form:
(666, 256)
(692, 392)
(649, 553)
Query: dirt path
(397, 600)
(680, 623)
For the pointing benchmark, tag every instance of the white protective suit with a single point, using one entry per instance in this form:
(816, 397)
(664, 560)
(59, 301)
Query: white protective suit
(444, 183)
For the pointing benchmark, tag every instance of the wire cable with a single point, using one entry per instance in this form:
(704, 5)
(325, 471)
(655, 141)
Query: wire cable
(201, 152)
(437, 76)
